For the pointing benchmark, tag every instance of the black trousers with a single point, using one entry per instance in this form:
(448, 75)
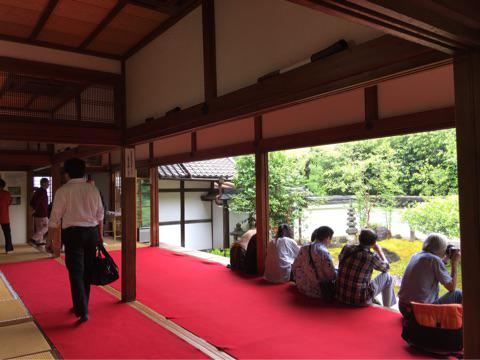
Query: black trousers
(7, 233)
(80, 247)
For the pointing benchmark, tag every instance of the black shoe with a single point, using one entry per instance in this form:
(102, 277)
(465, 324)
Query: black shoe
(72, 310)
(83, 318)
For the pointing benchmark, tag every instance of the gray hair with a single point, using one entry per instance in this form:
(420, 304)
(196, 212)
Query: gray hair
(435, 244)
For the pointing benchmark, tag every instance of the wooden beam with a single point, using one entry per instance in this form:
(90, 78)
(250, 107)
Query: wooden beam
(397, 125)
(154, 5)
(81, 152)
(167, 24)
(58, 72)
(104, 23)
(363, 65)
(56, 184)
(129, 225)
(261, 190)
(11, 158)
(22, 129)
(182, 213)
(29, 210)
(209, 50)
(429, 23)
(467, 113)
(193, 146)
(371, 106)
(43, 19)
(49, 45)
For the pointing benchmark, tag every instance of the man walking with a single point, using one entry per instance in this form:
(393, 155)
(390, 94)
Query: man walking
(39, 203)
(78, 208)
(5, 202)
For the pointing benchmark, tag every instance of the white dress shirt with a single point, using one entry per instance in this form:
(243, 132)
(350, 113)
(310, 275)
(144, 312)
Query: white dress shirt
(77, 203)
(281, 253)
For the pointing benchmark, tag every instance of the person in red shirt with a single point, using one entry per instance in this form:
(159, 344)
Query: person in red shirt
(39, 203)
(5, 201)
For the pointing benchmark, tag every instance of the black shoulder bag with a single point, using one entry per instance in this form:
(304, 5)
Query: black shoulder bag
(105, 271)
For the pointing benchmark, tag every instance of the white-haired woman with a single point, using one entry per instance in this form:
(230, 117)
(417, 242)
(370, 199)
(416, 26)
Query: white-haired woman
(423, 273)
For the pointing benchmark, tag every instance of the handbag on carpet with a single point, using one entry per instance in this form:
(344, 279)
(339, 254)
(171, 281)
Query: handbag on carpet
(434, 328)
(105, 271)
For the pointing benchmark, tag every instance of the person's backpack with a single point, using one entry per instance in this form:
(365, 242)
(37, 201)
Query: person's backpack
(251, 257)
(435, 328)
(237, 257)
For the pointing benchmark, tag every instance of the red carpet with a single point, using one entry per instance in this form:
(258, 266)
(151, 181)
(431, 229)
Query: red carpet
(249, 318)
(114, 330)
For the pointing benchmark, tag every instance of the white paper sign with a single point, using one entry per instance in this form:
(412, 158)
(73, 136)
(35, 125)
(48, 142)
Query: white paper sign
(130, 163)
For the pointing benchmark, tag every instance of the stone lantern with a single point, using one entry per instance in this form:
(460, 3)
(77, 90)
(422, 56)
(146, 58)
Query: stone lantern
(351, 222)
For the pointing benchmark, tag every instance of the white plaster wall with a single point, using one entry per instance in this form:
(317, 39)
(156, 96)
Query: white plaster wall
(234, 132)
(168, 72)
(195, 208)
(170, 234)
(198, 236)
(254, 37)
(422, 91)
(197, 184)
(142, 151)
(59, 57)
(168, 184)
(18, 213)
(168, 207)
(217, 227)
(330, 111)
(172, 145)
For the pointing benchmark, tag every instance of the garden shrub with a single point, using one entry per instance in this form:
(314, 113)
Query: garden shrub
(439, 214)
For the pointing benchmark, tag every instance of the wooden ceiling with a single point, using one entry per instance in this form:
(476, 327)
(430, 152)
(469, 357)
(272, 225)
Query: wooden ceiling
(109, 28)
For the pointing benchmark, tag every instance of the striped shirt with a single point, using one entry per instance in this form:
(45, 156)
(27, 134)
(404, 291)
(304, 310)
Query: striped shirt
(355, 272)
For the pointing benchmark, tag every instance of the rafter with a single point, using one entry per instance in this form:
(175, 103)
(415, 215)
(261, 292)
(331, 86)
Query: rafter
(430, 23)
(363, 65)
(23, 129)
(43, 19)
(167, 24)
(82, 152)
(104, 23)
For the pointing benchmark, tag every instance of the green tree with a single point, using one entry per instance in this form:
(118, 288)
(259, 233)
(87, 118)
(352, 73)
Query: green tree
(439, 214)
(286, 187)
(428, 162)
(366, 169)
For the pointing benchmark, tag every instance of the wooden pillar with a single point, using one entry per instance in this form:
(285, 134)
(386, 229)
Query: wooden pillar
(261, 188)
(154, 231)
(226, 225)
(29, 213)
(129, 224)
(182, 213)
(467, 117)
(56, 183)
(209, 52)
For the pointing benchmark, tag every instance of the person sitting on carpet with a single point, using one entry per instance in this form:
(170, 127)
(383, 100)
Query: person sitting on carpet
(313, 268)
(238, 251)
(356, 264)
(281, 252)
(423, 273)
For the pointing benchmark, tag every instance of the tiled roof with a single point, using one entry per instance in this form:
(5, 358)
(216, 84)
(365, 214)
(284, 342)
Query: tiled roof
(208, 169)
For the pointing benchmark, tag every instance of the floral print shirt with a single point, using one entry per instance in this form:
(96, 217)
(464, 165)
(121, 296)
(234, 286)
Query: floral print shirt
(307, 280)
